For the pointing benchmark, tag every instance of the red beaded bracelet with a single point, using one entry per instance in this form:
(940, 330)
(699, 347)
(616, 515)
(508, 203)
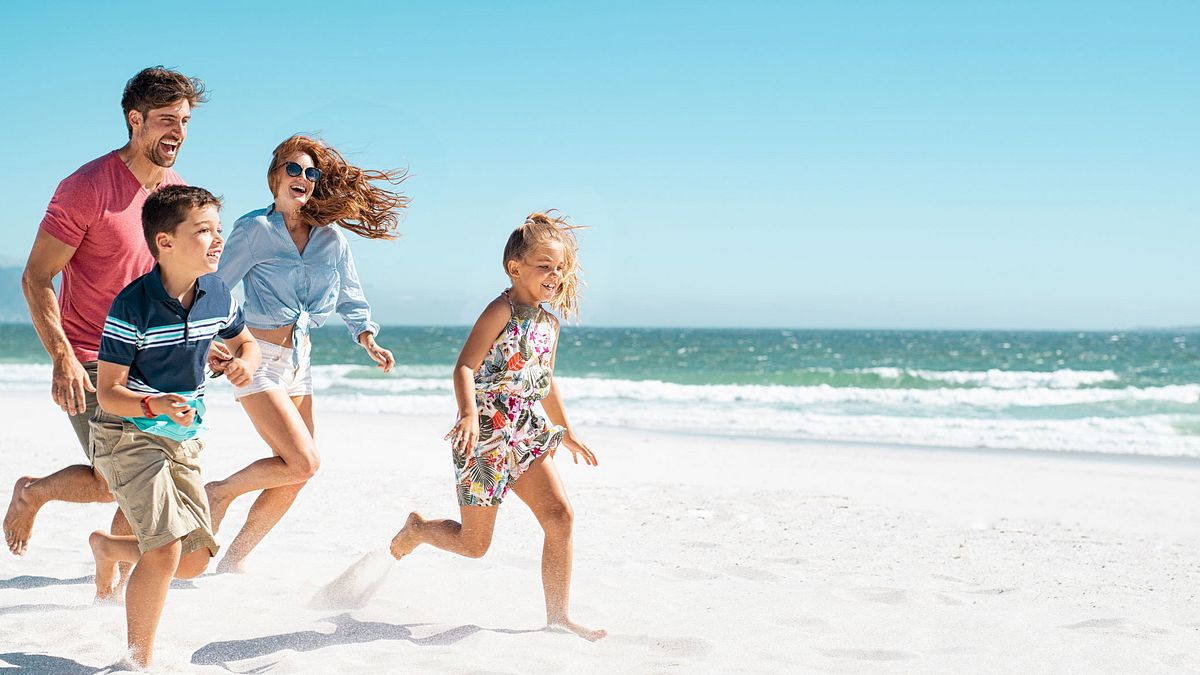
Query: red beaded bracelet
(146, 411)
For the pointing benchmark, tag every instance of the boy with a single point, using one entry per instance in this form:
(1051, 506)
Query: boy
(151, 376)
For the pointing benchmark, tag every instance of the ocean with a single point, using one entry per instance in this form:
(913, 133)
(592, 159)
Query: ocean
(1135, 393)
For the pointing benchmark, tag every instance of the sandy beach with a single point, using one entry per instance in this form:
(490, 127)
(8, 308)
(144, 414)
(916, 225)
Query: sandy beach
(697, 553)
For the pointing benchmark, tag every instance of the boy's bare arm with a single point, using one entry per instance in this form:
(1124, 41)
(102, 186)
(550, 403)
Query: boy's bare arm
(117, 399)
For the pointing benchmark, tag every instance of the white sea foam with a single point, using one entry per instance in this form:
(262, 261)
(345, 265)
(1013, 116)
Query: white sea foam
(1050, 411)
(1001, 379)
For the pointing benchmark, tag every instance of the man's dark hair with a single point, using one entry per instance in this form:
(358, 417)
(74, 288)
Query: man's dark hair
(167, 208)
(157, 87)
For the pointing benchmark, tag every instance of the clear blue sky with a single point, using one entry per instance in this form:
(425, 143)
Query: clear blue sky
(799, 164)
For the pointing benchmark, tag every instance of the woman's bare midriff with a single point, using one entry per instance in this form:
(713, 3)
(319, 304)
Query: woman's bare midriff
(281, 336)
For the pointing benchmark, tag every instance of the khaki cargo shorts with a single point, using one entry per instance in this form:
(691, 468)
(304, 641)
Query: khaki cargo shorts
(156, 481)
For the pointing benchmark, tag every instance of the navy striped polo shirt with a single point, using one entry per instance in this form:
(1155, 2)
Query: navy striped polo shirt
(165, 345)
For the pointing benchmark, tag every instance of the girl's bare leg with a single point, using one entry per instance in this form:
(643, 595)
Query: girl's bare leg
(287, 427)
(471, 538)
(542, 491)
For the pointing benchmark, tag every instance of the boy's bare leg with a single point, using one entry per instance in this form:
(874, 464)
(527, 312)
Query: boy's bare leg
(78, 484)
(145, 597)
(471, 538)
(281, 423)
(542, 490)
(265, 513)
(109, 550)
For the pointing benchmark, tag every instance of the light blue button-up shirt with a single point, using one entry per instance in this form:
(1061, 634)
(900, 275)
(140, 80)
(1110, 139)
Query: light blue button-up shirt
(283, 286)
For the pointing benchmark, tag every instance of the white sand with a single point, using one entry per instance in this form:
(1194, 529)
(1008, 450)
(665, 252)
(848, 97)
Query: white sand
(697, 554)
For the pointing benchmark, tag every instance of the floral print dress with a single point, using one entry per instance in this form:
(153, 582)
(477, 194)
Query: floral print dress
(514, 376)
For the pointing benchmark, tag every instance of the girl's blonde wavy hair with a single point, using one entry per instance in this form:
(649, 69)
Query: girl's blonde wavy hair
(540, 228)
(346, 194)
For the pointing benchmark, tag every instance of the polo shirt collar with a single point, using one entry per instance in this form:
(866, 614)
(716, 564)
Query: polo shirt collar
(155, 289)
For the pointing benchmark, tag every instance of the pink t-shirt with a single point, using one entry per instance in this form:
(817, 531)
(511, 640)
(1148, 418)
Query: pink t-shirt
(98, 211)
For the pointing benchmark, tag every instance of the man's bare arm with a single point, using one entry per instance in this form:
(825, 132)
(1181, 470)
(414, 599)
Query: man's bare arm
(47, 259)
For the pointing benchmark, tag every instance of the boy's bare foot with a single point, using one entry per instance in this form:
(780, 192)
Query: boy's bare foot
(571, 627)
(18, 521)
(107, 590)
(407, 539)
(231, 566)
(217, 504)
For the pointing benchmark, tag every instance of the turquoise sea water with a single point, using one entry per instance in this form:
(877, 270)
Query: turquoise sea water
(1126, 392)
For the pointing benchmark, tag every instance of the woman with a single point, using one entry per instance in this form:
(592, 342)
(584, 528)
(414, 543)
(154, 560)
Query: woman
(295, 264)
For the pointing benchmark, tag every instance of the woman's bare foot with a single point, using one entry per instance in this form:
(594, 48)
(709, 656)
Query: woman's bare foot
(18, 521)
(218, 504)
(571, 627)
(230, 565)
(407, 538)
(108, 591)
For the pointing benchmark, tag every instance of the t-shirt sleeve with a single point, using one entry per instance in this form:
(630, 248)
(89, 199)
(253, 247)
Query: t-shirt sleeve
(73, 209)
(234, 323)
(121, 337)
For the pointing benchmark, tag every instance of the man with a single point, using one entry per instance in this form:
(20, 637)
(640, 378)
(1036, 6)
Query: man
(92, 235)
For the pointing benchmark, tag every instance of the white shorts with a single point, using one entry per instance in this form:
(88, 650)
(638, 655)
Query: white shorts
(277, 372)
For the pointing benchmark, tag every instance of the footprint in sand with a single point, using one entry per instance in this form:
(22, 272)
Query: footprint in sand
(751, 573)
(946, 598)
(1120, 627)
(869, 654)
(682, 646)
(693, 574)
(805, 622)
(947, 577)
(1001, 590)
(882, 594)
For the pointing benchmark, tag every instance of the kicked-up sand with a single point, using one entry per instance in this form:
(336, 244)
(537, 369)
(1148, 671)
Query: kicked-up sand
(697, 554)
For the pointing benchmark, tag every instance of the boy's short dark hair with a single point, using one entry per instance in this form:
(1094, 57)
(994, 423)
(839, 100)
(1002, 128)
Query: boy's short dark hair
(167, 208)
(157, 87)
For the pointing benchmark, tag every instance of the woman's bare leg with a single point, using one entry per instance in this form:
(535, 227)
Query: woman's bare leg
(285, 424)
(542, 491)
(279, 422)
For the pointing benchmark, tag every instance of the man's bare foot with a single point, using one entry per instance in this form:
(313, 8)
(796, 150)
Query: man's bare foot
(18, 521)
(571, 627)
(217, 504)
(230, 566)
(407, 538)
(107, 590)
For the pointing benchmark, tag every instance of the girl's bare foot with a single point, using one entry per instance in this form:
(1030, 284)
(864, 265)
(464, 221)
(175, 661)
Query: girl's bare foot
(407, 538)
(571, 627)
(107, 590)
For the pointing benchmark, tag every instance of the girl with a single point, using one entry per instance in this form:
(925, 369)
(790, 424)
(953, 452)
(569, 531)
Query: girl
(297, 269)
(506, 367)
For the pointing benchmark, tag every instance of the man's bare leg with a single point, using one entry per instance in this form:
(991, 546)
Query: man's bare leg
(542, 491)
(78, 484)
(120, 526)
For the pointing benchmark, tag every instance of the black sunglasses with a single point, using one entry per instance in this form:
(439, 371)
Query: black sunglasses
(311, 173)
